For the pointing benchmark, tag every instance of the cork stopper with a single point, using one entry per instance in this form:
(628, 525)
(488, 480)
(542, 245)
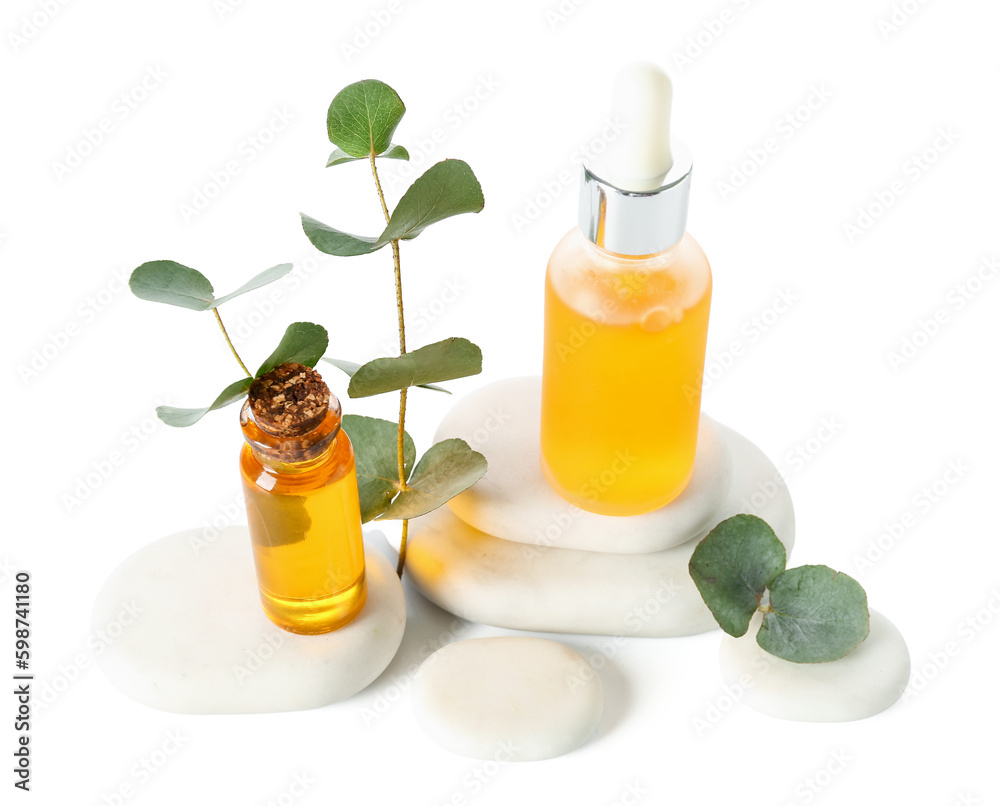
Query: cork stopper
(289, 401)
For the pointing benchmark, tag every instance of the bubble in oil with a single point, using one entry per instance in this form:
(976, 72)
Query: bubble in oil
(659, 319)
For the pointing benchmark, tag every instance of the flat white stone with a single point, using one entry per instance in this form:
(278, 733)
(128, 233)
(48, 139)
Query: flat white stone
(508, 698)
(861, 684)
(514, 501)
(542, 588)
(194, 639)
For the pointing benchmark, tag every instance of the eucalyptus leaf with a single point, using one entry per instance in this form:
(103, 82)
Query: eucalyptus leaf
(815, 615)
(376, 459)
(363, 117)
(395, 152)
(334, 242)
(264, 278)
(173, 284)
(448, 468)
(350, 367)
(347, 367)
(303, 343)
(446, 189)
(441, 361)
(180, 418)
(338, 156)
(733, 565)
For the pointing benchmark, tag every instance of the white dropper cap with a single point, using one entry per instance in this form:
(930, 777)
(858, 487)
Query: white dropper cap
(639, 159)
(634, 199)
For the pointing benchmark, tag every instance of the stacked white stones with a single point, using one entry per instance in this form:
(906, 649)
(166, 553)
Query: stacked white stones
(512, 553)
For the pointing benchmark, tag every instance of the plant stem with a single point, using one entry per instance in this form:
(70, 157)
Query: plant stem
(400, 462)
(229, 342)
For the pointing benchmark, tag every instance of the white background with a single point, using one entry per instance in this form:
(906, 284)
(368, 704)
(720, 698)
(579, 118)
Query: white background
(858, 435)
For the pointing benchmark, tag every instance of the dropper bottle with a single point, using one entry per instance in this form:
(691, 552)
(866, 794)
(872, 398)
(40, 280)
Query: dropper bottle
(627, 300)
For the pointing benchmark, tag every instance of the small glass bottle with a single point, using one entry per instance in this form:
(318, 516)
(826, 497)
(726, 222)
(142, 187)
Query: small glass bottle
(301, 492)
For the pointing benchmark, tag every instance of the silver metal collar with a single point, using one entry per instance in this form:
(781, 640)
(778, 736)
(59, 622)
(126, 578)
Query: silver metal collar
(637, 223)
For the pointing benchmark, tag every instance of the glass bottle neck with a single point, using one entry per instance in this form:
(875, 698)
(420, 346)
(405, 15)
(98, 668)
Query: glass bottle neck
(295, 454)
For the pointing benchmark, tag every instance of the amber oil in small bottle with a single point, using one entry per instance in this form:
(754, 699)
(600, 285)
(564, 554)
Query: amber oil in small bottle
(301, 492)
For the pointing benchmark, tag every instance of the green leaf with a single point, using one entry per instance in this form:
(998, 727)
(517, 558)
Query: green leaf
(443, 472)
(816, 615)
(262, 279)
(733, 565)
(395, 152)
(339, 156)
(303, 343)
(180, 418)
(375, 455)
(363, 116)
(334, 242)
(444, 190)
(441, 361)
(347, 367)
(350, 367)
(169, 282)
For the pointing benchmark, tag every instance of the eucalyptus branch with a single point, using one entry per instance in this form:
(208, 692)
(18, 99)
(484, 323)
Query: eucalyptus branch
(392, 483)
(361, 121)
(400, 461)
(236, 355)
(173, 283)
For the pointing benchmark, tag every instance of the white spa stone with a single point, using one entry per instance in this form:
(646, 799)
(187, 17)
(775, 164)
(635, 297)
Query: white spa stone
(861, 684)
(542, 588)
(514, 501)
(508, 698)
(193, 638)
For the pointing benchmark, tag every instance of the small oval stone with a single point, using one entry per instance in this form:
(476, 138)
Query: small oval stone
(508, 698)
(861, 684)
(190, 636)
